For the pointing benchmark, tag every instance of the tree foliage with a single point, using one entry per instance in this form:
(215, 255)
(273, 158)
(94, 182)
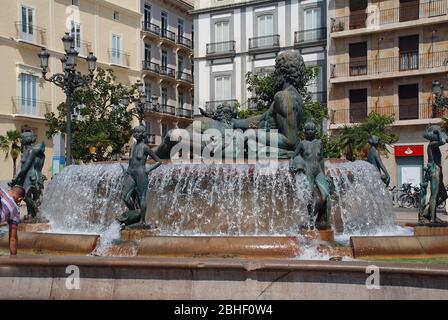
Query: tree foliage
(10, 145)
(100, 123)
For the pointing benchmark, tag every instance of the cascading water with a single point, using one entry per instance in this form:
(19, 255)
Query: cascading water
(224, 199)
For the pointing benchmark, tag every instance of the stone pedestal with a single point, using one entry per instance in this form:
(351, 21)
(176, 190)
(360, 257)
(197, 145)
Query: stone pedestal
(326, 235)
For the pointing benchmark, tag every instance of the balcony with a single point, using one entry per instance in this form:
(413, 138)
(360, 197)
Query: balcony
(409, 14)
(169, 35)
(221, 49)
(150, 28)
(119, 58)
(412, 111)
(183, 41)
(312, 37)
(30, 34)
(184, 113)
(264, 44)
(185, 77)
(167, 109)
(167, 72)
(211, 106)
(30, 107)
(150, 67)
(406, 63)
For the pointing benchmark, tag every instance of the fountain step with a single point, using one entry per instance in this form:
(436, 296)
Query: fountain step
(137, 234)
(45, 243)
(219, 246)
(34, 227)
(430, 231)
(399, 246)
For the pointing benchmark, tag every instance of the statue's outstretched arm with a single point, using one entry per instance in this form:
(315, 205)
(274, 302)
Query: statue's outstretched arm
(204, 113)
(154, 156)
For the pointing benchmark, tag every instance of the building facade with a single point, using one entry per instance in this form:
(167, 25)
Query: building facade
(236, 37)
(110, 29)
(167, 67)
(383, 56)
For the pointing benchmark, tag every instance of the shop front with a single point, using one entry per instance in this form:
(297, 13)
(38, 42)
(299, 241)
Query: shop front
(410, 161)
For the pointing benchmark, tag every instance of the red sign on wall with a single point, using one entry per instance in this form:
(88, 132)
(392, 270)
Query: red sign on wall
(409, 151)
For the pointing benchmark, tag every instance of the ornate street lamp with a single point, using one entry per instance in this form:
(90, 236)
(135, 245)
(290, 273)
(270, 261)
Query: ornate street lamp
(68, 81)
(141, 102)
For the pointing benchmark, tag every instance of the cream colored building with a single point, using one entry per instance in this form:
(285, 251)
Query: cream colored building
(383, 56)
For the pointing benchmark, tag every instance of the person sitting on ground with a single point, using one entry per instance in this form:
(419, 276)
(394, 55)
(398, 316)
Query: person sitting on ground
(10, 213)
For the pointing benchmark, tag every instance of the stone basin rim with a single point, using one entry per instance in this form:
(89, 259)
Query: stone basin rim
(222, 263)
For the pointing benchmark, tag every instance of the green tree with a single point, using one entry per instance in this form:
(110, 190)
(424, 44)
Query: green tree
(10, 145)
(100, 122)
(353, 140)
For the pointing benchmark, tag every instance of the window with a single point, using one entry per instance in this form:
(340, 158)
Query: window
(28, 94)
(222, 35)
(164, 59)
(223, 88)
(408, 46)
(265, 28)
(116, 15)
(116, 49)
(148, 128)
(409, 10)
(147, 14)
(148, 91)
(27, 29)
(164, 20)
(408, 100)
(76, 33)
(358, 58)
(180, 101)
(180, 63)
(358, 105)
(180, 27)
(315, 85)
(75, 3)
(358, 15)
(164, 129)
(147, 53)
(164, 97)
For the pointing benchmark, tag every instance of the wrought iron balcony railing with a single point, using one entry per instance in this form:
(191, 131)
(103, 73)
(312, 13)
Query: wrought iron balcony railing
(119, 57)
(221, 48)
(30, 107)
(183, 76)
(358, 113)
(405, 61)
(167, 34)
(211, 106)
(30, 33)
(184, 41)
(185, 113)
(167, 71)
(166, 108)
(310, 36)
(265, 42)
(151, 27)
(404, 12)
(150, 66)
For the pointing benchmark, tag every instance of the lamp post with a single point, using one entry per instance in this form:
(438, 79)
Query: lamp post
(68, 81)
(141, 103)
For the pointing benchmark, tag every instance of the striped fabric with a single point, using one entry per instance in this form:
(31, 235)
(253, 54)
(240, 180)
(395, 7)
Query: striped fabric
(9, 212)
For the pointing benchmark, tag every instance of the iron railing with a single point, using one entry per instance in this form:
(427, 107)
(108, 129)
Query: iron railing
(183, 76)
(151, 27)
(119, 57)
(166, 108)
(185, 113)
(167, 34)
(404, 111)
(405, 61)
(217, 48)
(312, 35)
(184, 41)
(30, 107)
(150, 66)
(211, 106)
(264, 42)
(404, 12)
(30, 33)
(167, 71)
